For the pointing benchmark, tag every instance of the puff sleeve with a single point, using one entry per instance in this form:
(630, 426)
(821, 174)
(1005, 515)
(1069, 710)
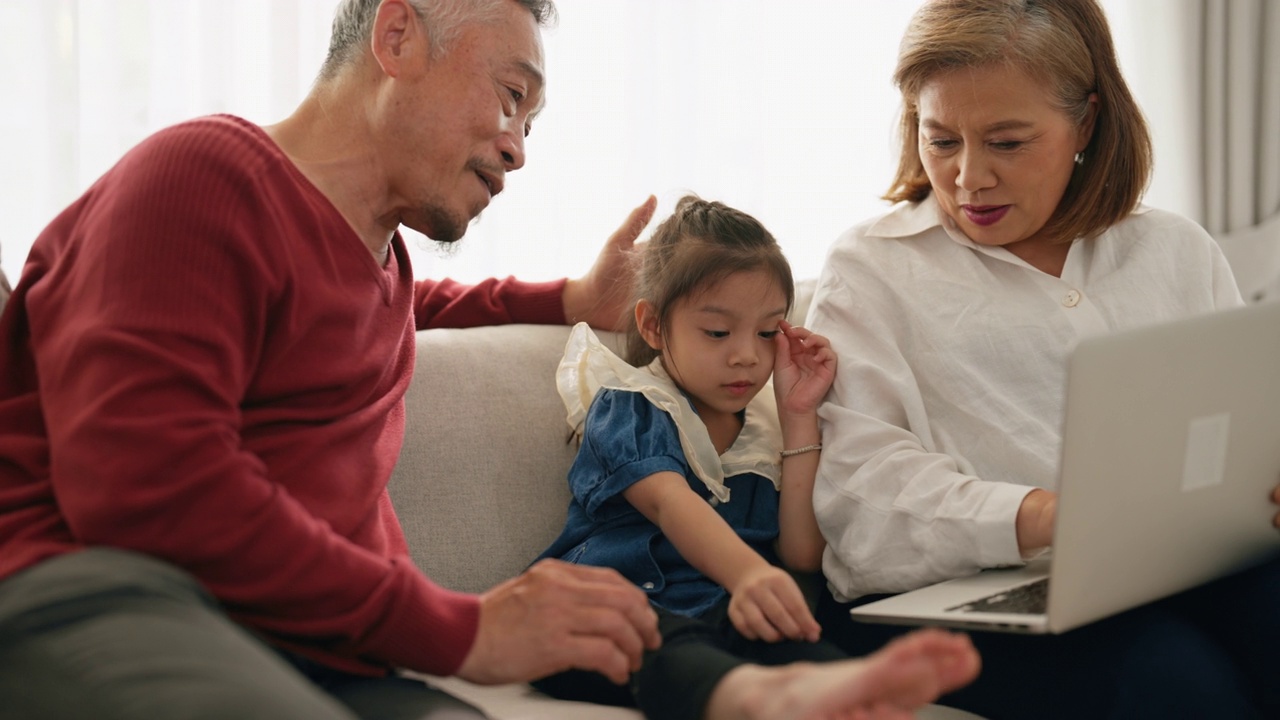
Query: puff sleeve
(625, 440)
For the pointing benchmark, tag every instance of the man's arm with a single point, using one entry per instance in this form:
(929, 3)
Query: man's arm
(449, 304)
(185, 376)
(601, 298)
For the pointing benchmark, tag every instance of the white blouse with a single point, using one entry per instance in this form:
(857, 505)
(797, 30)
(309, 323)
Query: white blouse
(947, 407)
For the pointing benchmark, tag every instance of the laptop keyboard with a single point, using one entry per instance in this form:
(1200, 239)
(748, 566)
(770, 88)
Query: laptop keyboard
(1029, 599)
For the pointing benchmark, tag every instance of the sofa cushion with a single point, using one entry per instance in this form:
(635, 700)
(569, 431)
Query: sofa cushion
(480, 486)
(522, 702)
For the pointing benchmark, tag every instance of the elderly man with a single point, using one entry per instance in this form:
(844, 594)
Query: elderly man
(204, 366)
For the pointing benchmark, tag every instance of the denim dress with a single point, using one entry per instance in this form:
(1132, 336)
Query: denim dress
(639, 423)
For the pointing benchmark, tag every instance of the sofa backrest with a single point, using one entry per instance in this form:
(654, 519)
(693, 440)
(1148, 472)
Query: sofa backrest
(480, 486)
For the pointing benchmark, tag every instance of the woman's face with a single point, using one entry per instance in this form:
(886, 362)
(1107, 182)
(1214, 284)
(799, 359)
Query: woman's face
(998, 154)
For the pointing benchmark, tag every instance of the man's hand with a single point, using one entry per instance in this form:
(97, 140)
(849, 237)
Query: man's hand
(602, 298)
(557, 616)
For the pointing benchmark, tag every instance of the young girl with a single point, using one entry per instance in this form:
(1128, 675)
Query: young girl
(694, 484)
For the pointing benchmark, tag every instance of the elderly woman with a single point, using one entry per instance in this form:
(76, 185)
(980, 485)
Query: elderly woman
(1017, 230)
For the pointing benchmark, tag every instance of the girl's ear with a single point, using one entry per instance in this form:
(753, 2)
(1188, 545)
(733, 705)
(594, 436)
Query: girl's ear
(647, 323)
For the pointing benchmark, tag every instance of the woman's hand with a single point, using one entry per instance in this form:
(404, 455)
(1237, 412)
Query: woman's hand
(766, 604)
(803, 368)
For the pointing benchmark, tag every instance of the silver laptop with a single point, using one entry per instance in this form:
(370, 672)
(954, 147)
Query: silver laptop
(1171, 448)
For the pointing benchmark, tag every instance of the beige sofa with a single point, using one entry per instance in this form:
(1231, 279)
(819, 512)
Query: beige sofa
(480, 487)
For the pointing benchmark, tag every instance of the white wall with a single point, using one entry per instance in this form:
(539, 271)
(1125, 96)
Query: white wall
(784, 109)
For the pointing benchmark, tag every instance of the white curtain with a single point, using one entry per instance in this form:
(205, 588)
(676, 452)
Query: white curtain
(1208, 74)
(784, 109)
(1241, 137)
(84, 80)
(1240, 83)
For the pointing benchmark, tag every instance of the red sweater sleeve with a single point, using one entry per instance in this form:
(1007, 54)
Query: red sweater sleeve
(221, 371)
(448, 304)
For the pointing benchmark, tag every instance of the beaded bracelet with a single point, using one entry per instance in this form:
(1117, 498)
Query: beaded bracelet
(801, 450)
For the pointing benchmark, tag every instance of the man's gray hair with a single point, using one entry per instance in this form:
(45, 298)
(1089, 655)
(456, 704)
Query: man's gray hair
(353, 24)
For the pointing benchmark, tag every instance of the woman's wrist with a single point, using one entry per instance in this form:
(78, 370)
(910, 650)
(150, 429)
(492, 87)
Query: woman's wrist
(1034, 523)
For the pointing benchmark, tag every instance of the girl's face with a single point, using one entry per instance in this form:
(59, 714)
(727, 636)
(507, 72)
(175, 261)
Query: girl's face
(998, 154)
(719, 346)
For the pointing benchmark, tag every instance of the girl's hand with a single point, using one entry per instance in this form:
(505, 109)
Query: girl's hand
(766, 604)
(803, 368)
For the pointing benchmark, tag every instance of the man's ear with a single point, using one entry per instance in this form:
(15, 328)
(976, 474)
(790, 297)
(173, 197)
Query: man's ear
(647, 322)
(398, 37)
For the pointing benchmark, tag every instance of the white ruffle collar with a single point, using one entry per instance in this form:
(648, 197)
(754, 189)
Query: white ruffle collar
(588, 366)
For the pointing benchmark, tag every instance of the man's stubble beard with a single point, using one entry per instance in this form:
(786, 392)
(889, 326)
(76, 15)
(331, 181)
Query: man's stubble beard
(446, 228)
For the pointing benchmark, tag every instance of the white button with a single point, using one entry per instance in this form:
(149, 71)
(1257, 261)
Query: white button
(647, 586)
(715, 501)
(1072, 298)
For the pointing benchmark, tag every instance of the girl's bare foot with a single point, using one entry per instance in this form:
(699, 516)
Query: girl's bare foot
(893, 682)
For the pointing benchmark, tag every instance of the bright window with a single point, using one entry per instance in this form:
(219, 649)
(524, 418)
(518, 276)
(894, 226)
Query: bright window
(785, 110)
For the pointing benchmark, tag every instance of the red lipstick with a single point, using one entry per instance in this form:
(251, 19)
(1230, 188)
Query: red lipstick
(985, 215)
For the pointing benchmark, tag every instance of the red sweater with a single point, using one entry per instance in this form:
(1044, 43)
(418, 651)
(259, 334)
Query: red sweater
(204, 363)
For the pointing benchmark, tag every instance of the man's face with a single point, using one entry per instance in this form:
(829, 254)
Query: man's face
(455, 124)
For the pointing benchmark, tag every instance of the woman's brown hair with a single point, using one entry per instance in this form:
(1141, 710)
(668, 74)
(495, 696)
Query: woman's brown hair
(1065, 44)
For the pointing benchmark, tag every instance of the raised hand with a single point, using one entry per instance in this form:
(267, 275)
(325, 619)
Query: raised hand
(602, 298)
(557, 616)
(803, 369)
